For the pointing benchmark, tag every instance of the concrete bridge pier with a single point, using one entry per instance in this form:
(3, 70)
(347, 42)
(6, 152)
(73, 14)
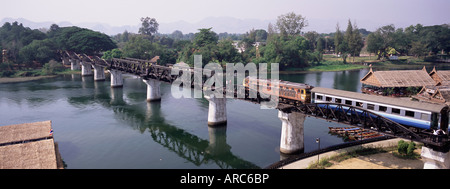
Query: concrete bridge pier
(99, 73)
(153, 90)
(292, 137)
(86, 69)
(116, 78)
(433, 159)
(218, 141)
(74, 64)
(217, 113)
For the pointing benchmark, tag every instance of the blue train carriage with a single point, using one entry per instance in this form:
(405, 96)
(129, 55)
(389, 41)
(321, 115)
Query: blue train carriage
(416, 114)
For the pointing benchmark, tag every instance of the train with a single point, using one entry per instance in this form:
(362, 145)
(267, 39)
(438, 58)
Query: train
(288, 92)
(420, 115)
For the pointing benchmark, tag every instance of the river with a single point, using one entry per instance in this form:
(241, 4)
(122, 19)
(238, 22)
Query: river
(99, 127)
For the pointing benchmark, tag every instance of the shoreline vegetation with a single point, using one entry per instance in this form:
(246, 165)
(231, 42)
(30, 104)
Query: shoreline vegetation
(333, 63)
(33, 75)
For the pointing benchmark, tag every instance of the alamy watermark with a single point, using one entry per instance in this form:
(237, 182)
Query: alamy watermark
(232, 81)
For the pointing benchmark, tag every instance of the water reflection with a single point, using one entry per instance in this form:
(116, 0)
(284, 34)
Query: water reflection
(103, 127)
(150, 119)
(343, 80)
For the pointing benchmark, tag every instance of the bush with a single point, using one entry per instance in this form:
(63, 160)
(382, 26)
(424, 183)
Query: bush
(52, 67)
(411, 148)
(402, 147)
(405, 148)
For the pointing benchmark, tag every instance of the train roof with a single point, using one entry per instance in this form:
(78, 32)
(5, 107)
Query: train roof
(381, 99)
(286, 83)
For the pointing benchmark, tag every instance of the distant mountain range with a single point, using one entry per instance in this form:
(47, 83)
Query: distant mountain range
(219, 25)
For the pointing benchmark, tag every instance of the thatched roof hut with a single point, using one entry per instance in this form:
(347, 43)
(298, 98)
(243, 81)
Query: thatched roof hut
(28, 146)
(25, 132)
(435, 94)
(440, 76)
(398, 78)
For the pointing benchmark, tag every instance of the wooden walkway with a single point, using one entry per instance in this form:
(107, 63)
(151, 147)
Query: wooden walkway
(28, 146)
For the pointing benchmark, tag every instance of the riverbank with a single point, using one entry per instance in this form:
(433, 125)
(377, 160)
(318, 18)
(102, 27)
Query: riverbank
(18, 79)
(332, 63)
(23, 79)
(384, 159)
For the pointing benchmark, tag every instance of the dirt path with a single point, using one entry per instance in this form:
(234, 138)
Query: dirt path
(378, 161)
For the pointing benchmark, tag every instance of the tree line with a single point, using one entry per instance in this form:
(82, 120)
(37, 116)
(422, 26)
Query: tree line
(283, 42)
(27, 48)
(415, 40)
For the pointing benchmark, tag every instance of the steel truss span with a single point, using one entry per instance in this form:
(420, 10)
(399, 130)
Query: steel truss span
(363, 118)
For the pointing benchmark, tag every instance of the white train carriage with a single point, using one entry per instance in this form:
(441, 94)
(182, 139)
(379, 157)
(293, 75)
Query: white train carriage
(404, 111)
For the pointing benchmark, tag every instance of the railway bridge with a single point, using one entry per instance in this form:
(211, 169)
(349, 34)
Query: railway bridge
(334, 105)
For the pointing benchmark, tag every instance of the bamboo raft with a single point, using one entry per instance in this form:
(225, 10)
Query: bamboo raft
(354, 133)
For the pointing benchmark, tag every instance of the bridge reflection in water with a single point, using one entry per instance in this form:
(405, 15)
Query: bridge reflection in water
(186, 145)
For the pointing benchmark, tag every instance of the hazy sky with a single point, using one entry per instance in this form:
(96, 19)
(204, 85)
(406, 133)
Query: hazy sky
(128, 12)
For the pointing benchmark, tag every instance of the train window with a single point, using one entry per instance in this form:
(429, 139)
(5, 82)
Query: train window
(370, 106)
(409, 113)
(319, 97)
(348, 102)
(303, 91)
(395, 111)
(329, 99)
(338, 100)
(382, 108)
(359, 104)
(425, 117)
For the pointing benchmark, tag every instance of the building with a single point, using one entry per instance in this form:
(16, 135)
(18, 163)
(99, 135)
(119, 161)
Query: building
(434, 94)
(440, 76)
(439, 92)
(395, 82)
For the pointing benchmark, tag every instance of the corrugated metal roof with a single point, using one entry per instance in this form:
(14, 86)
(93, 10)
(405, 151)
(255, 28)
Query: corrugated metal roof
(381, 99)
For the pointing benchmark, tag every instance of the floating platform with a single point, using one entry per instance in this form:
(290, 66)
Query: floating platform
(354, 133)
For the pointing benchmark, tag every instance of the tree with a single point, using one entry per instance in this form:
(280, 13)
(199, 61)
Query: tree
(149, 27)
(15, 36)
(115, 53)
(341, 44)
(312, 37)
(261, 35)
(418, 48)
(227, 52)
(291, 24)
(41, 51)
(81, 40)
(375, 44)
(141, 48)
(379, 41)
(90, 42)
(205, 37)
(354, 40)
(291, 51)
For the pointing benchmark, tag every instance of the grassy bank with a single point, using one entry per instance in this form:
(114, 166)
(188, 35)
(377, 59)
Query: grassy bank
(31, 75)
(333, 63)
